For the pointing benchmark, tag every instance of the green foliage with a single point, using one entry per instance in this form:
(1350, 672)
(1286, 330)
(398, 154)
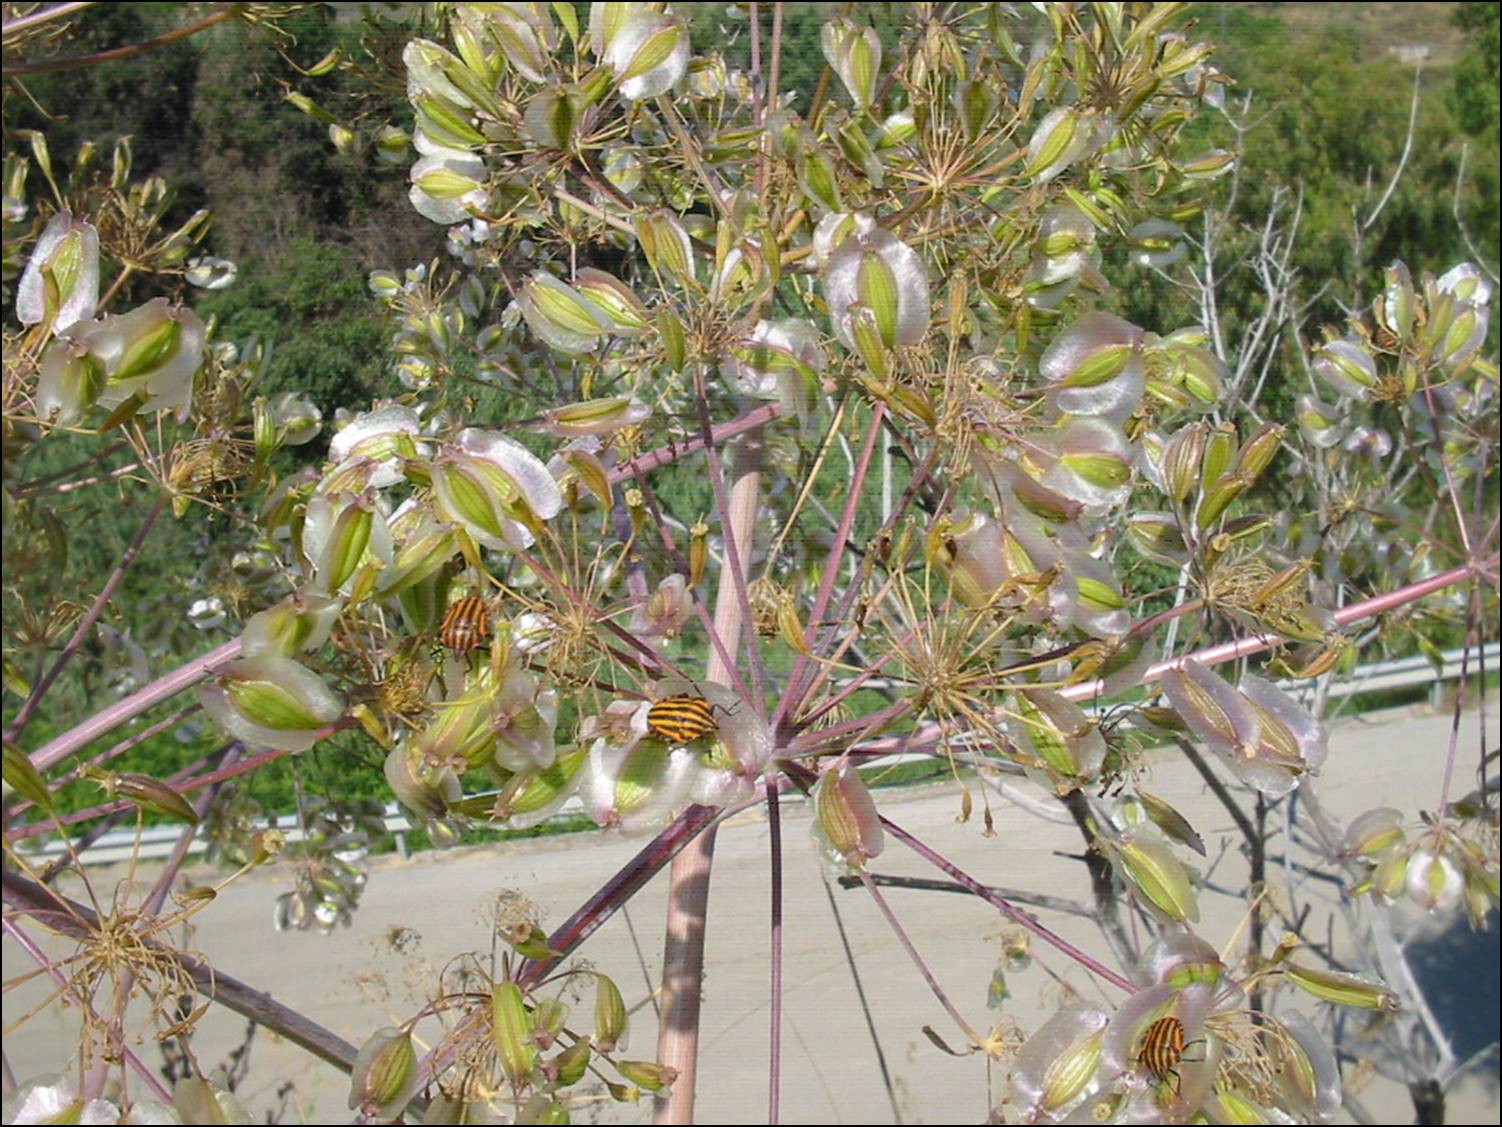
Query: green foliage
(144, 96)
(269, 172)
(1475, 93)
(1474, 96)
(311, 306)
(1329, 117)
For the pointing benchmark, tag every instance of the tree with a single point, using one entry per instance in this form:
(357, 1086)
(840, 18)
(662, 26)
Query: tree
(949, 503)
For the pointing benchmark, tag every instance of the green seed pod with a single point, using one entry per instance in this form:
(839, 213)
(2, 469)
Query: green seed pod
(384, 1075)
(1220, 449)
(1340, 989)
(647, 1075)
(511, 1027)
(610, 1015)
(1257, 452)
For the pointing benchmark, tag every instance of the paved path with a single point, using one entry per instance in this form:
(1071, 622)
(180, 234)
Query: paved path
(360, 978)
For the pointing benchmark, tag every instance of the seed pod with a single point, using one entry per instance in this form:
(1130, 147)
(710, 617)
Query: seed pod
(1060, 139)
(510, 1028)
(21, 774)
(384, 1075)
(1057, 1064)
(617, 299)
(271, 701)
(1389, 877)
(547, 1021)
(1348, 366)
(60, 285)
(1373, 833)
(1395, 306)
(817, 178)
(1183, 455)
(875, 269)
(1257, 452)
(865, 336)
(648, 1075)
(853, 53)
(561, 316)
(845, 817)
(1215, 499)
(698, 552)
(1220, 449)
(530, 794)
(1158, 536)
(610, 1015)
(595, 416)
(1151, 870)
(669, 251)
(674, 346)
(570, 1065)
(146, 792)
(1341, 989)
(647, 50)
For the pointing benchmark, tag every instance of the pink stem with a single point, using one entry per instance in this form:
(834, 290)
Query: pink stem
(666, 455)
(715, 641)
(111, 717)
(1242, 647)
(736, 532)
(688, 879)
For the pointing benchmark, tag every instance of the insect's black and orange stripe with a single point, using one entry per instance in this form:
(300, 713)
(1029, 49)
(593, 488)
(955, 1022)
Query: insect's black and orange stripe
(681, 719)
(1162, 1047)
(466, 624)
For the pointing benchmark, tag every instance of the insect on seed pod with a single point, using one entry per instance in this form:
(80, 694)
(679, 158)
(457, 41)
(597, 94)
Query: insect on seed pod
(681, 719)
(1163, 1049)
(465, 625)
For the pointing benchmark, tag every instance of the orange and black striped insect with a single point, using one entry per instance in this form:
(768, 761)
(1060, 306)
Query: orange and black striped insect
(465, 625)
(681, 719)
(1163, 1049)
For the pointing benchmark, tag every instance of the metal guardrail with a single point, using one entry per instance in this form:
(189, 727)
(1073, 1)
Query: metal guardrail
(1401, 673)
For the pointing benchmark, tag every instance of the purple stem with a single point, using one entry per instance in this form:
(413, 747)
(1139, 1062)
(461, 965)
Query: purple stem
(919, 739)
(1242, 647)
(790, 699)
(65, 987)
(732, 554)
(774, 1070)
(1007, 909)
(101, 600)
(81, 922)
(912, 953)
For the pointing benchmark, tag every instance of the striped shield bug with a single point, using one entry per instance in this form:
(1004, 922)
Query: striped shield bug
(1162, 1049)
(465, 625)
(681, 719)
